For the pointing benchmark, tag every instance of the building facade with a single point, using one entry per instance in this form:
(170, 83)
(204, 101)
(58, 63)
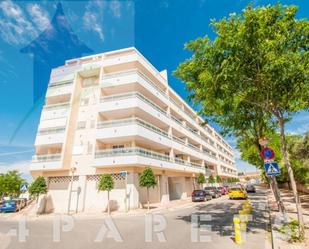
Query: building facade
(115, 113)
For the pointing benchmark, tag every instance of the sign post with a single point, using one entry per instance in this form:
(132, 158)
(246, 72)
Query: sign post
(271, 169)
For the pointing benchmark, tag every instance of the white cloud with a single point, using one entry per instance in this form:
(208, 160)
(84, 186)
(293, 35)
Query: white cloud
(15, 28)
(39, 16)
(93, 18)
(21, 166)
(115, 8)
(91, 22)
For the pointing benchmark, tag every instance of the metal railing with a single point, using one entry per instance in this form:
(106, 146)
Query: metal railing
(134, 71)
(142, 152)
(46, 158)
(60, 83)
(134, 94)
(146, 100)
(57, 106)
(138, 121)
(51, 130)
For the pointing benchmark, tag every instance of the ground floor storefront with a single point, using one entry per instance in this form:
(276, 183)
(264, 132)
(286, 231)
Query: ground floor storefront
(79, 193)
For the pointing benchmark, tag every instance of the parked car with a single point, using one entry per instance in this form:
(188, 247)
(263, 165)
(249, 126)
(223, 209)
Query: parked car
(8, 206)
(13, 205)
(237, 193)
(223, 190)
(250, 188)
(213, 191)
(200, 195)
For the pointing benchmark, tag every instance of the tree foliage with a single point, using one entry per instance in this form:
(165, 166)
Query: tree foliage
(10, 183)
(258, 62)
(106, 182)
(211, 179)
(147, 178)
(201, 178)
(218, 179)
(38, 187)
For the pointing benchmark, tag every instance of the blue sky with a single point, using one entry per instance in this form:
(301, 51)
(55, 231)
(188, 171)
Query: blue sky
(158, 29)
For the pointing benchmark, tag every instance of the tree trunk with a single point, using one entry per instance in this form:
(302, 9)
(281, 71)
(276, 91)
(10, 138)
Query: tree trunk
(108, 208)
(148, 199)
(275, 189)
(291, 175)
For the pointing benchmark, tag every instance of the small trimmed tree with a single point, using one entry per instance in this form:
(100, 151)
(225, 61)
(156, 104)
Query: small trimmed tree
(147, 180)
(211, 179)
(106, 184)
(219, 179)
(201, 179)
(38, 187)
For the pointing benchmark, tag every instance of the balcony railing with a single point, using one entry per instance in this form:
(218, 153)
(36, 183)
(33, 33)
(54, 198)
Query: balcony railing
(146, 100)
(60, 83)
(142, 152)
(57, 106)
(137, 121)
(130, 72)
(46, 158)
(133, 94)
(51, 131)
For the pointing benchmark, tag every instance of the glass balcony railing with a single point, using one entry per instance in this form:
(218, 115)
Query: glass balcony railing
(57, 106)
(46, 158)
(134, 72)
(137, 121)
(134, 94)
(51, 131)
(60, 83)
(140, 96)
(142, 152)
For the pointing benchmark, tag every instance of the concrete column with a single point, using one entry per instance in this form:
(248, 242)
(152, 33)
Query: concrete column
(165, 197)
(132, 191)
(172, 153)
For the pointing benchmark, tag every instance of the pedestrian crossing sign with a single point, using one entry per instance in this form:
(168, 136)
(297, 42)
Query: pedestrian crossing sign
(272, 168)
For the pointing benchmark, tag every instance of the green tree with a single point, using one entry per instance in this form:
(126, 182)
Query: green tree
(201, 179)
(259, 59)
(106, 183)
(147, 180)
(10, 183)
(218, 179)
(38, 187)
(211, 179)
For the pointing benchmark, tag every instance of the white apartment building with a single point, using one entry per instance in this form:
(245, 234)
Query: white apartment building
(115, 113)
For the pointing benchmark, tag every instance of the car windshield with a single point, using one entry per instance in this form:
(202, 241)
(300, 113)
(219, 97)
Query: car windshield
(236, 189)
(208, 188)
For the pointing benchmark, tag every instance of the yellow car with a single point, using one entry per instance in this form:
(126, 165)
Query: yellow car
(237, 193)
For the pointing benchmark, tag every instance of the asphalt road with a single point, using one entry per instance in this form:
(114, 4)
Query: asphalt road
(214, 229)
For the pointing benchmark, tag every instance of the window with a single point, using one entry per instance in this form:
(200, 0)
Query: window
(81, 125)
(118, 146)
(84, 101)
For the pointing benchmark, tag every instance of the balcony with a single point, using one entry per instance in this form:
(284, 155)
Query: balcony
(140, 156)
(50, 136)
(128, 129)
(46, 162)
(132, 103)
(60, 88)
(126, 81)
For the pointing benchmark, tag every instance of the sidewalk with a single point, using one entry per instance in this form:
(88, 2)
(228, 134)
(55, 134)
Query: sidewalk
(29, 212)
(288, 201)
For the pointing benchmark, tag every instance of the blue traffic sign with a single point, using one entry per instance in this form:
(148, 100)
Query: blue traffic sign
(267, 153)
(24, 187)
(272, 168)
